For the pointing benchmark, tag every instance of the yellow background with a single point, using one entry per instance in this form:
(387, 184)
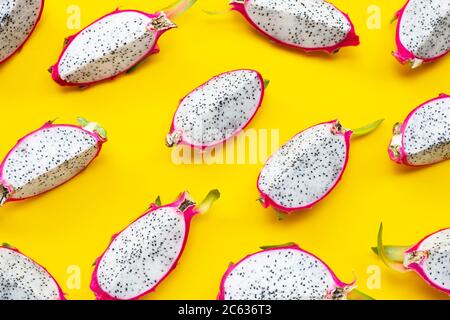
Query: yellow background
(72, 225)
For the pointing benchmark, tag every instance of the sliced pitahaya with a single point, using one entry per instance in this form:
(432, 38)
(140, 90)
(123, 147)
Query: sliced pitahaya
(430, 258)
(308, 167)
(112, 45)
(23, 279)
(284, 273)
(18, 20)
(48, 157)
(218, 109)
(147, 251)
(424, 137)
(311, 25)
(423, 32)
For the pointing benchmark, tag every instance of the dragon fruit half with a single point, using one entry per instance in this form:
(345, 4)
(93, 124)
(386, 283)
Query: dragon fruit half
(23, 279)
(424, 137)
(217, 110)
(18, 20)
(48, 157)
(284, 273)
(430, 258)
(311, 25)
(423, 32)
(147, 251)
(112, 45)
(308, 167)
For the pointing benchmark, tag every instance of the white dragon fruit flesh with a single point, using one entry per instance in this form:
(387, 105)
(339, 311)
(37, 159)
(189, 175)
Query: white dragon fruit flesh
(430, 258)
(217, 110)
(284, 273)
(110, 46)
(23, 279)
(48, 157)
(311, 25)
(113, 44)
(147, 251)
(308, 167)
(18, 20)
(424, 137)
(423, 32)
